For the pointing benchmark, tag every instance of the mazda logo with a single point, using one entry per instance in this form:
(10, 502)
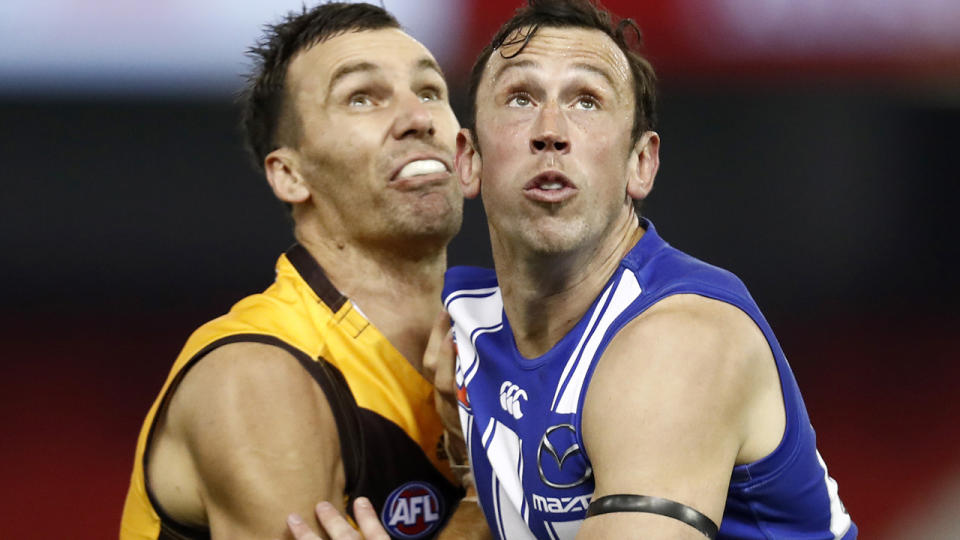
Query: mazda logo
(547, 447)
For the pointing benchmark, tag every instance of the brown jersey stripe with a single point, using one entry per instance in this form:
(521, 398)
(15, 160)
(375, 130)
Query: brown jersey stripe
(314, 276)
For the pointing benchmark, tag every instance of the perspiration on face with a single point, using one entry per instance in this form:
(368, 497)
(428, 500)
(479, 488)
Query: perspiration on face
(571, 85)
(367, 103)
(574, 14)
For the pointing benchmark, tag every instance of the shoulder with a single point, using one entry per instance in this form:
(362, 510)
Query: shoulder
(667, 410)
(246, 402)
(695, 358)
(243, 380)
(238, 429)
(671, 269)
(693, 324)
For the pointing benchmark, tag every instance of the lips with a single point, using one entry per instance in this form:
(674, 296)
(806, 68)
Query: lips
(549, 187)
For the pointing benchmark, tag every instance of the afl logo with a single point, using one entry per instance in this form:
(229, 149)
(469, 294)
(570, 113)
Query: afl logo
(413, 510)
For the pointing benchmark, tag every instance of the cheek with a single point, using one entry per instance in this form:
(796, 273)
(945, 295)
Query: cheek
(501, 146)
(607, 143)
(449, 127)
(509, 126)
(595, 133)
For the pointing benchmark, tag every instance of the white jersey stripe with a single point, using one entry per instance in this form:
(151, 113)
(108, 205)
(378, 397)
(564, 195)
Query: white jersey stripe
(509, 522)
(548, 526)
(628, 289)
(524, 507)
(485, 439)
(473, 293)
(495, 483)
(477, 311)
(839, 518)
(576, 352)
(503, 452)
(506, 495)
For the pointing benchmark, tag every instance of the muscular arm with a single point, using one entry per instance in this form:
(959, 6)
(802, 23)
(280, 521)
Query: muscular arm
(248, 437)
(467, 522)
(677, 400)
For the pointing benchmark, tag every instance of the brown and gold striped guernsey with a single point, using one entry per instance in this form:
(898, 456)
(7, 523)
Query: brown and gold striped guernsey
(389, 430)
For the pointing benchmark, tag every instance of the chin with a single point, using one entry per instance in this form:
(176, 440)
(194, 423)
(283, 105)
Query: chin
(555, 240)
(428, 223)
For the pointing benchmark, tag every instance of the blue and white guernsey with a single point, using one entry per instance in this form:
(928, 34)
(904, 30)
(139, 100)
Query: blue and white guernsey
(522, 417)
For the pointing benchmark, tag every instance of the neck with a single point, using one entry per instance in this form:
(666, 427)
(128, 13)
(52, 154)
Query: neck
(544, 295)
(397, 289)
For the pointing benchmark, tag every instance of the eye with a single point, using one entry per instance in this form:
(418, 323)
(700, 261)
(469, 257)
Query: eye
(587, 103)
(360, 100)
(519, 100)
(430, 94)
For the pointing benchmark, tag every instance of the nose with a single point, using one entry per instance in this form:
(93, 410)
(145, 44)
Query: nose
(413, 118)
(550, 131)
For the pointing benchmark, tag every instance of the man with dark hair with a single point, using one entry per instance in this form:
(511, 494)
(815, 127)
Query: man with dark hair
(296, 394)
(615, 386)
(609, 385)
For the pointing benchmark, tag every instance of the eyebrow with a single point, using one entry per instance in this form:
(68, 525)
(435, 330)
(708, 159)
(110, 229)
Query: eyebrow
(511, 65)
(596, 70)
(583, 66)
(348, 69)
(429, 63)
(424, 63)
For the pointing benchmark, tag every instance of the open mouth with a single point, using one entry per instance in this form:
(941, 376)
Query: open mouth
(550, 187)
(549, 181)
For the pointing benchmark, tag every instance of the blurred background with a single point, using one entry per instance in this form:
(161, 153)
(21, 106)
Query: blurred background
(809, 146)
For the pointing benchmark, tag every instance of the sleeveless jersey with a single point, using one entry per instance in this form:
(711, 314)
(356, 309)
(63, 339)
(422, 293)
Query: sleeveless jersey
(388, 426)
(522, 417)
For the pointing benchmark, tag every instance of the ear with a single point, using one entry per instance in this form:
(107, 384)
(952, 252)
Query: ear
(643, 165)
(468, 164)
(284, 176)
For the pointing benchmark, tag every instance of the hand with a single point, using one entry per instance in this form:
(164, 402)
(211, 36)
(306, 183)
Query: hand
(337, 527)
(439, 366)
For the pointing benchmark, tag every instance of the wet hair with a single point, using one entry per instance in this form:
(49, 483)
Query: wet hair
(525, 23)
(269, 120)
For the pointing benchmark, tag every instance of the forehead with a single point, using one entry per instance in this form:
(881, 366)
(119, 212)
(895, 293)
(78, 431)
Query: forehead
(389, 50)
(564, 47)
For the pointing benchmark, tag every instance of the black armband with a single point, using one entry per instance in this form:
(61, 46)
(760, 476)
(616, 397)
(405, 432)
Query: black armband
(654, 505)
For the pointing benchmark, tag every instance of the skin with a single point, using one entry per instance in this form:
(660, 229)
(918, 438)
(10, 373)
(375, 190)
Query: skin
(248, 436)
(705, 390)
(705, 393)
(359, 130)
(337, 527)
(561, 108)
(467, 522)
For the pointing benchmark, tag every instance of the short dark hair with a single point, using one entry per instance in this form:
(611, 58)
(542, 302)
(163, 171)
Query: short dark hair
(267, 117)
(580, 14)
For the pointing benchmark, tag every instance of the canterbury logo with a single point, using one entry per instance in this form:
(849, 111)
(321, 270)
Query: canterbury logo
(510, 396)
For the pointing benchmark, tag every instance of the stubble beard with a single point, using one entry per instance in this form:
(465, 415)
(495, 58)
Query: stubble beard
(416, 229)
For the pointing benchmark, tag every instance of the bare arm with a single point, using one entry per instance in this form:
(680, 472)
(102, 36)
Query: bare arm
(258, 439)
(670, 410)
(467, 521)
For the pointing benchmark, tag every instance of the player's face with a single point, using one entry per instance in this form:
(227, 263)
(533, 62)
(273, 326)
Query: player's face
(553, 128)
(377, 136)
